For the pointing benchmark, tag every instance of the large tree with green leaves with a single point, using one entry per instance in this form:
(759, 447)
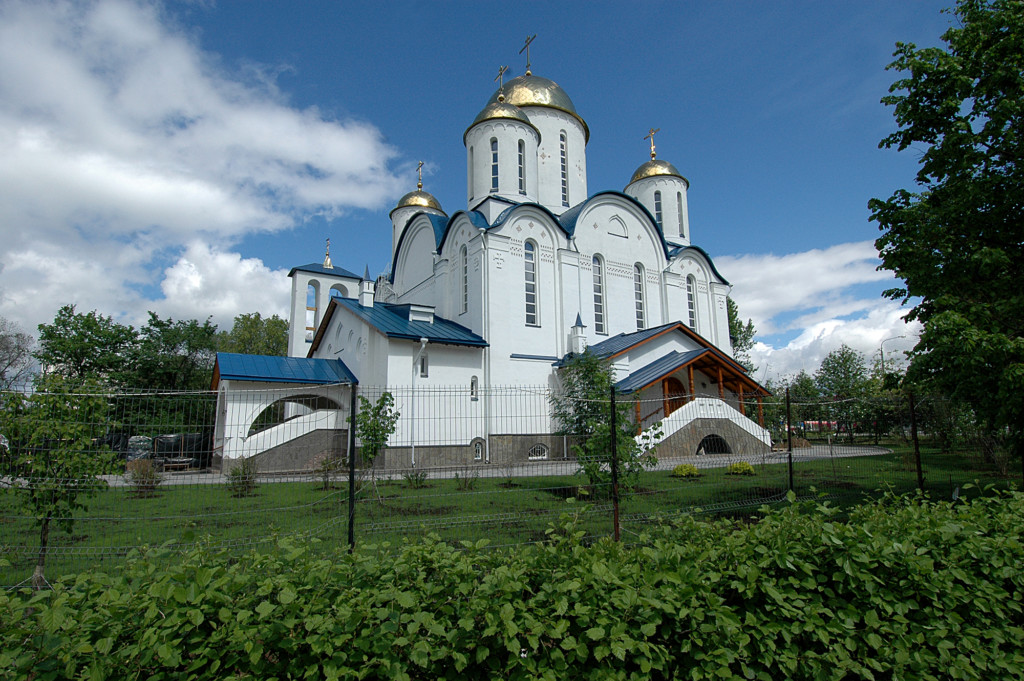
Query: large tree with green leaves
(80, 345)
(253, 334)
(175, 355)
(842, 381)
(956, 241)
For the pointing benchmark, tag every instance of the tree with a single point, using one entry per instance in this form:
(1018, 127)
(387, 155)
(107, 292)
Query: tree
(375, 423)
(77, 346)
(581, 409)
(15, 355)
(842, 378)
(53, 431)
(956, 242)
(252, 334)
(740, 335)
(175, 355)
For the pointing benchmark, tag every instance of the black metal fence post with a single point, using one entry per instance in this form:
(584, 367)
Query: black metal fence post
(789, 439)
(917, 448)
(615, 464)
(352, 471)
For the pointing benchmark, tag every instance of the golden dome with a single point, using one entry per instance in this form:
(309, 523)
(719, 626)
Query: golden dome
(418, 199)
(500, 110)
(529, 90)
(654, 168)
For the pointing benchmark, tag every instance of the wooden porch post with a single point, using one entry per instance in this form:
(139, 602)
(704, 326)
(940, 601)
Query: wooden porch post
(721, 385)
(689, 370)
(743, 409)
(760, 410)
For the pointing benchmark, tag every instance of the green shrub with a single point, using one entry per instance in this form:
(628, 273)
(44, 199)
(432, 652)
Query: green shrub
(685, 470)
(242, 478)
(902, 589)
(415, 479)
(740, 468)
(143, 478)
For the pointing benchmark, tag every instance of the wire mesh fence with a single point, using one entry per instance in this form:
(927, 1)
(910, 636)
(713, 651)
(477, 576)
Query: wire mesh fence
(87, 478)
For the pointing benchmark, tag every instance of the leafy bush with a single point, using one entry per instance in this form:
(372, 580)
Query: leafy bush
(466, 477)
(415, 479)
(740, 468)
(242, 478)
(904, 589)
(143, 478)
(685, 470)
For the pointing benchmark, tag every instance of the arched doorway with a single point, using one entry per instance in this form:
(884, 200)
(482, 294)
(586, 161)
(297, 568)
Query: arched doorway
(674, 394)
(713, 444)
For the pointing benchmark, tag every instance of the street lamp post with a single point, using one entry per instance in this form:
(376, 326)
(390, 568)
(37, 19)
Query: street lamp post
(881, 352)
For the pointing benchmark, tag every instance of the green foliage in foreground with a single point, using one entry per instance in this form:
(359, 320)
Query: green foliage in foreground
(905, 588)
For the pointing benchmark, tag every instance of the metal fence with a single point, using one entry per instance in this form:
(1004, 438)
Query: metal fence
(85, 479)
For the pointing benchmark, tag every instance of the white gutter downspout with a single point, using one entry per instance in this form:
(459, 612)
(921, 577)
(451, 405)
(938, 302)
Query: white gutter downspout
(412, 400)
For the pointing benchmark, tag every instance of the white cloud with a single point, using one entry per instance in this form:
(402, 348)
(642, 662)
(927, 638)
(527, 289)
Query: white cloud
(805, 305)
(121, 141)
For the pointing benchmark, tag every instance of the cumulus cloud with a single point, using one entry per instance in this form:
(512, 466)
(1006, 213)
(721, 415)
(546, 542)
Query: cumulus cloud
(122, 142)
(805, 305)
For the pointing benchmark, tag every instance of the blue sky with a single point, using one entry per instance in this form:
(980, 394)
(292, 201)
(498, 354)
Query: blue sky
(181, 157)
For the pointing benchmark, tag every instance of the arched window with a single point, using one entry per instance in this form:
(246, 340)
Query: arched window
(522, 167)
(474, 388)
(424, 366)
(638, 295)
(464, 263)
(312, 309)
(494, 165)
(599, 325)
(657, 210)
(530, 272)
(691, 301)
(537, 452)
(679, 210)
(563, 151)
(478, 451)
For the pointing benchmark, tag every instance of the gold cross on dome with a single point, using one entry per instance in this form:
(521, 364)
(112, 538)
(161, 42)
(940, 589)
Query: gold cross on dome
(419, 171)
(526, 47)
(501, 82)
(650, 136)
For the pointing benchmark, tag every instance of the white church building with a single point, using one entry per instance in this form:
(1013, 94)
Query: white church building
(497, 295)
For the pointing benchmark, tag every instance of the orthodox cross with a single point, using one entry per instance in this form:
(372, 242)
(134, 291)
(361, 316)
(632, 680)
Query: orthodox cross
(501, 82)
(650, 136)
(419, 171)
(526, 47)
(327, 257)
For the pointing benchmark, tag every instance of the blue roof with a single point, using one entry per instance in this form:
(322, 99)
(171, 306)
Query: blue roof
(643, 377)
(624, 341)
(320, 269)
(238, 367)
(393, 321)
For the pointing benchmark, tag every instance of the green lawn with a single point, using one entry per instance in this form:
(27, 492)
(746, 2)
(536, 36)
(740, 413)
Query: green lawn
(117, 521)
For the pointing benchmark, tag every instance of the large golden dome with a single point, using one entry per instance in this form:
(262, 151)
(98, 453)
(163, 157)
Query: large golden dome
(653, 168)
(529, 90)
(418, 199)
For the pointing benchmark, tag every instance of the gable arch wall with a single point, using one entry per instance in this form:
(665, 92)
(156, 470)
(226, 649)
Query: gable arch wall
(414, 266)
(710, 294)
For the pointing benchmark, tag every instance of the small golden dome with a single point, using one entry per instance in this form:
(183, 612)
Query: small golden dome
(654, 168)
(531, 90)
(500, 110)
(418, 199)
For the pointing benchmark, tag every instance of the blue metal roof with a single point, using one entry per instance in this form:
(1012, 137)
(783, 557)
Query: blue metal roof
(624, 341)
(656, 369)
(318, 268)
(238, 367)
(393, 321)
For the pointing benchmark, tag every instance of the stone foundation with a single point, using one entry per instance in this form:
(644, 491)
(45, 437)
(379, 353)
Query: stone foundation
(686, 440)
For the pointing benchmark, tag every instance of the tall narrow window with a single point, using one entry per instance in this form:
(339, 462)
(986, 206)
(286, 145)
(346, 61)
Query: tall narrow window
(599, 326)
(657, 210)
(563, 151)
(424, 366)
(638, 294)
(312, 308)
(530, 263)
(522, 167)
(464, 262)
(471, 178)
(691, 301)
(494, 165)
(679, 210)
